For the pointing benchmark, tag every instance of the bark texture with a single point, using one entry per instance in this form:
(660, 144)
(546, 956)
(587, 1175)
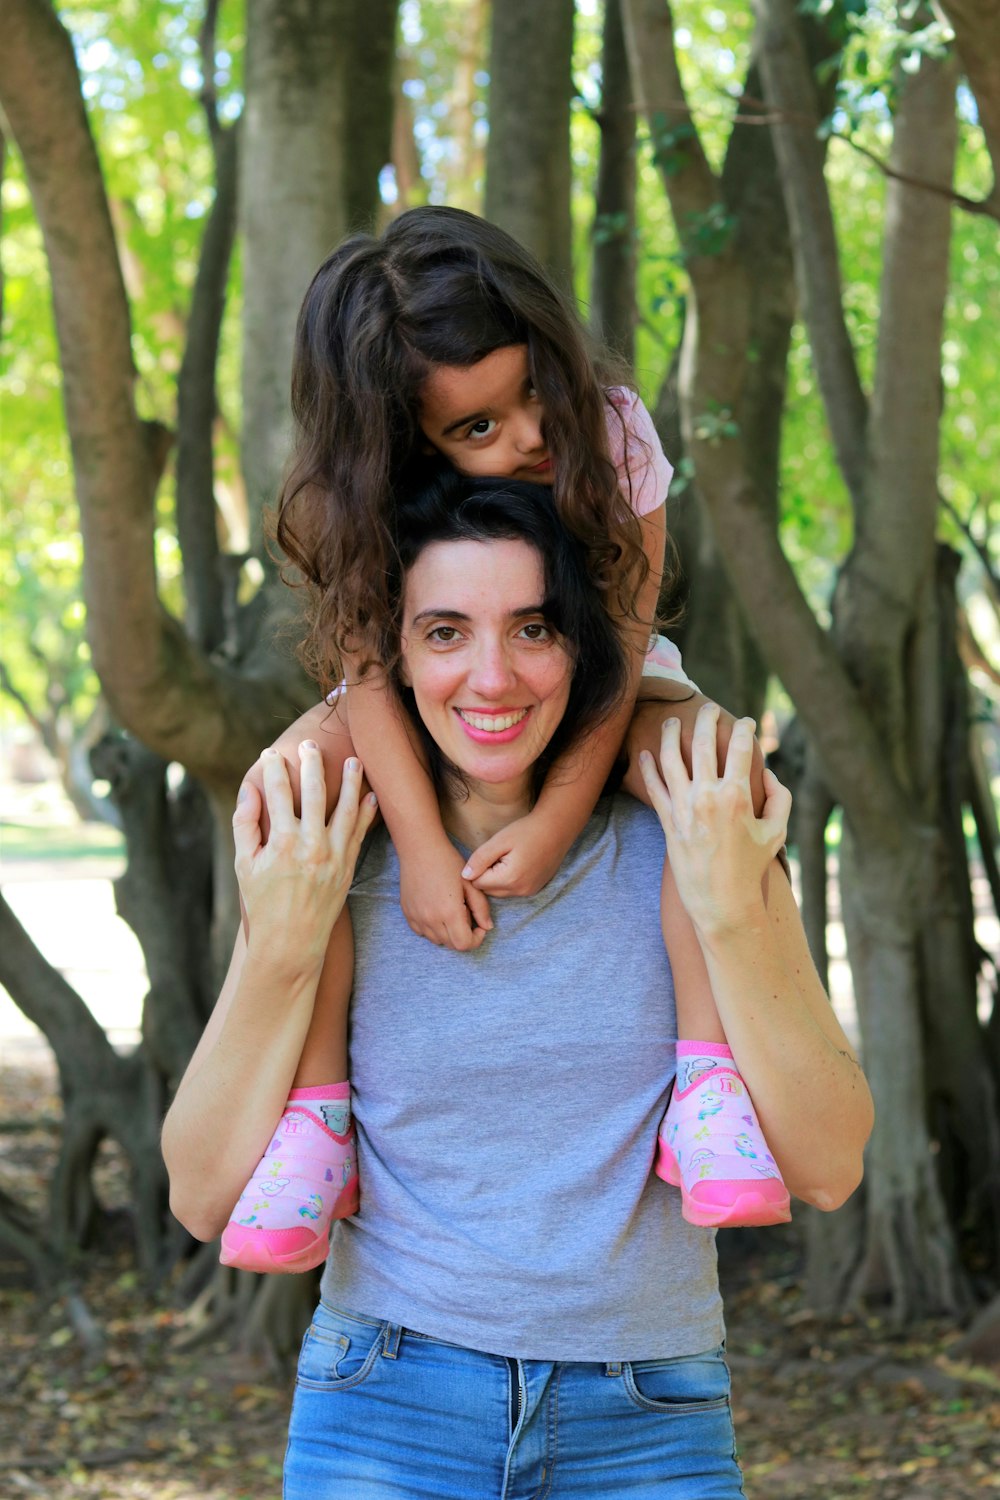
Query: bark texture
(612, 294)
(527, 156)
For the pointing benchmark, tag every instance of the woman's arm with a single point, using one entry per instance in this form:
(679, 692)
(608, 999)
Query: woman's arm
(236, 1084)
(803, 1075)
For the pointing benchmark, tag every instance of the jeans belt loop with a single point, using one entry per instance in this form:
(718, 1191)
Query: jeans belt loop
(390, 1344)
(613, 1369)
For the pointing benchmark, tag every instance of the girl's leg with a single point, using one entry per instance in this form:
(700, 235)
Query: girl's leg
(711, 1145)
(308, 1175)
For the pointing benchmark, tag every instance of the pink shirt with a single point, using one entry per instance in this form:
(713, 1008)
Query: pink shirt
(644, 471)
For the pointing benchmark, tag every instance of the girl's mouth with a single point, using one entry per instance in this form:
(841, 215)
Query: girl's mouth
(495, 728)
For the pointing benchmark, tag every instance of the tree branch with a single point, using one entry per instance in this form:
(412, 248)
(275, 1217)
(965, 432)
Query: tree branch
(790, 90)
(53, 1005)
(690, 183)
(976, 24)
(907, 396)
(156, 682)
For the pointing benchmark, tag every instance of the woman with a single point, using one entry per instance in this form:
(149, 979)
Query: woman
(519, 1306)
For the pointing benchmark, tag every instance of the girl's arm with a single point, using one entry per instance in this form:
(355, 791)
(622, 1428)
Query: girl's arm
(525, 856)
(436, 901)
(238, 1079)
(803, 1075)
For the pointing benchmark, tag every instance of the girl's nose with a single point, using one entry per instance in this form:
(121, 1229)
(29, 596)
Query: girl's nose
(528, 436)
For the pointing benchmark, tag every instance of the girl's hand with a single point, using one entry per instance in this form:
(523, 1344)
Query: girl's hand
(719, 852)
(438, 904)
(294, 886)
(517, 861)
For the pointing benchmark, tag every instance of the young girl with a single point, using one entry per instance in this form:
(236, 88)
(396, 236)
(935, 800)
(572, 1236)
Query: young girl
(445, 336)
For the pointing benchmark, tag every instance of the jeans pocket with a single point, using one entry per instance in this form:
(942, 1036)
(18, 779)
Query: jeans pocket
(681, 1387)
(339, 1350)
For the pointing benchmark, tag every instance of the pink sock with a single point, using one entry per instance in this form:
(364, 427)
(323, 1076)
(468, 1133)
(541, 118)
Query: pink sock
(694, 1059)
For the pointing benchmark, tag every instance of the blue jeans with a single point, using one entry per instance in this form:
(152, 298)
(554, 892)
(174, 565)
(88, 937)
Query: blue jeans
(382, 1412)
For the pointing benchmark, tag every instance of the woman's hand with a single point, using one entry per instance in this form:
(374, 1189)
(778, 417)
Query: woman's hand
(718, 851)
(295, 885)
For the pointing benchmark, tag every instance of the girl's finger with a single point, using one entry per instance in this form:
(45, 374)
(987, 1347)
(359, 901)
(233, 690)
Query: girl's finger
(739, 755)
(312, 787)
(479, 907)
(704, 751)
(277, 791)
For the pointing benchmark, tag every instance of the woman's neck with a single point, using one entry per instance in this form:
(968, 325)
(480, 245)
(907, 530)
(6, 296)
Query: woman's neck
(485, 811)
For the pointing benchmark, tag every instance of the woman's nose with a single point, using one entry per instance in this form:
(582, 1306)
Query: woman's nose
(492, 673)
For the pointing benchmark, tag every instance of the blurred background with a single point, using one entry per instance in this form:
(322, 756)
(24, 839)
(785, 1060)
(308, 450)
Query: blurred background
(784, 214)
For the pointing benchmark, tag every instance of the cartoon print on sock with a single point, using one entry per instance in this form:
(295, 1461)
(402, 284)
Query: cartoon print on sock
(336, 1117)
(710, 1104)
(701, 1161)
(728, 1083)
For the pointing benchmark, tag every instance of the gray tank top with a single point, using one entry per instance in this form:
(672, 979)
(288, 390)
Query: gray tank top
(507, 1103)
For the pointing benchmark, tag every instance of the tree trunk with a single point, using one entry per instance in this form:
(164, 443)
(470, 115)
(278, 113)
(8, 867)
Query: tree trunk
(292, 210)
(528, 174)
(370, 32)
(612, 283)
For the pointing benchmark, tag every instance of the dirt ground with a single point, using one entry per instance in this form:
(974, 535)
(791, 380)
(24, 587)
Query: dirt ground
(833, 1412)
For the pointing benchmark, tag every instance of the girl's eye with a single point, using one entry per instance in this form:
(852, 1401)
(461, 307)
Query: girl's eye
(483, 428)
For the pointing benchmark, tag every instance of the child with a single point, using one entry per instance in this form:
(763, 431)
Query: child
(445, 336)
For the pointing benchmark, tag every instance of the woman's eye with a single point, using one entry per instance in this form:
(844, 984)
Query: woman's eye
(483, 428)
(443, 633)
(536, 631)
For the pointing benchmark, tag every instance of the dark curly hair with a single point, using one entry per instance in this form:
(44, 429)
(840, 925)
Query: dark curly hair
(439, 287)
(438, 504)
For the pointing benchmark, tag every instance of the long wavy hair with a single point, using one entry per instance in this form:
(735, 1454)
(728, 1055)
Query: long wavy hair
(438, 504)
(439, 287)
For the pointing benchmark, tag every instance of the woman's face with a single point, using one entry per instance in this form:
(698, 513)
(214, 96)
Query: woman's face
(486, 418)
(490, 676)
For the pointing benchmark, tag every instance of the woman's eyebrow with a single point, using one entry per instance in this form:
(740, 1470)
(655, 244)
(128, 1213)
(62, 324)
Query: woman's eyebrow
(456, 614)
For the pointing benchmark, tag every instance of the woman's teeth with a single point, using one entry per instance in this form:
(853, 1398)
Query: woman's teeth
(492, 723)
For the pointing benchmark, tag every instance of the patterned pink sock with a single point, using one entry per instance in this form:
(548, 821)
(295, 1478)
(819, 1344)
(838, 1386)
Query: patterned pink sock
(306, 1178)
(711, 1145)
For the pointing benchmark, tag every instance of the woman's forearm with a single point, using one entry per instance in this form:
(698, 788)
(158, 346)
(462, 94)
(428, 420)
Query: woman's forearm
(808, 1089)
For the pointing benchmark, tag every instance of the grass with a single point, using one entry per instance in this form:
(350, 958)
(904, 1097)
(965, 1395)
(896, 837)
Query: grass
(38, 841)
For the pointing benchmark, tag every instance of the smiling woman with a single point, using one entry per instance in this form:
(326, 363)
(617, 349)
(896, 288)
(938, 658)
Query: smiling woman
(513, 1260)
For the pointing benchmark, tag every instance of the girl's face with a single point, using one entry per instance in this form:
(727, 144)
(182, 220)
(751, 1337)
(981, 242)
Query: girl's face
(490, 676)
(486, 417)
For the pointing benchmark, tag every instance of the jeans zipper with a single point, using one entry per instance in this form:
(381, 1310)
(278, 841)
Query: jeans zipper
(515, 1411)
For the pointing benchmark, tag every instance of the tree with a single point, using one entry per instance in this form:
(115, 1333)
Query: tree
(881, 744)
(208, 693)
(527, 157)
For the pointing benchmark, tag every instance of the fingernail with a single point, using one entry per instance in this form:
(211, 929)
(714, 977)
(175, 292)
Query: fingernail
(269, 751)
(309, 745)
(241, 795)
(644, 757)
(467, 873)
(373, 799)
(350, 764)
